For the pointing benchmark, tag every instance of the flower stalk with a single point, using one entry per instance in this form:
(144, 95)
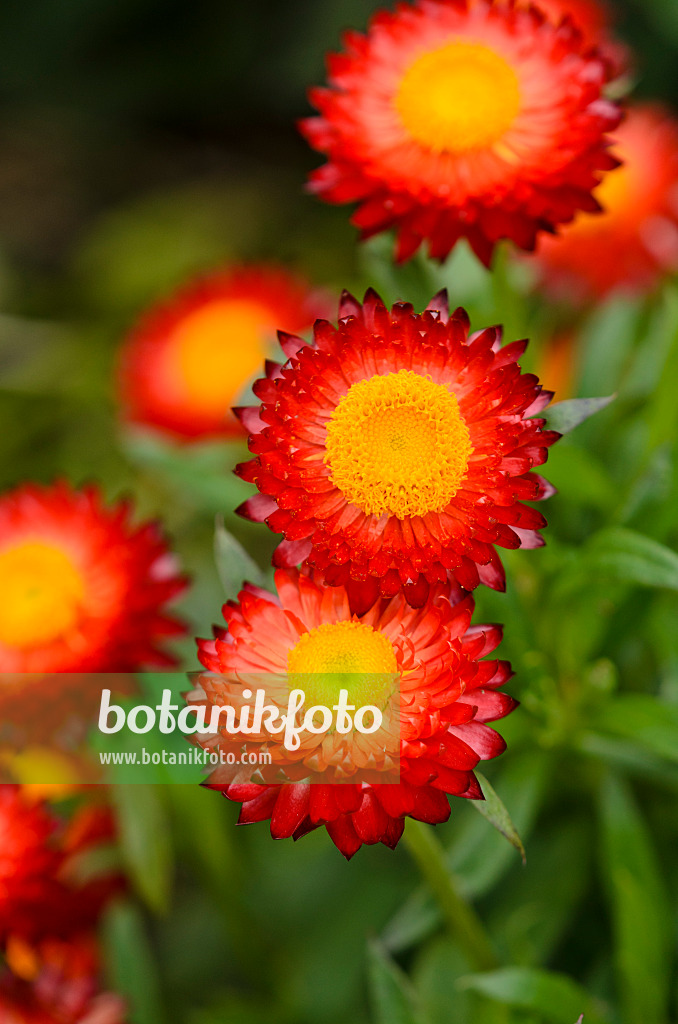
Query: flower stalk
(462, 919)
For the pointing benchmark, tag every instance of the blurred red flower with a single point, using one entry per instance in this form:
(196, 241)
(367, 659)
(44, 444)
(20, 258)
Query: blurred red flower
(397, 450)
(56, 984)
(193, 356)
(451, 120)
(634, 242)
(594, 20)
(423, 661)
(44, 890)
(82, 588)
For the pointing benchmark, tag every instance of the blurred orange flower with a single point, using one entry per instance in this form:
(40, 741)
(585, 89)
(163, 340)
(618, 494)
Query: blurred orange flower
(193, 356)
(634, 243)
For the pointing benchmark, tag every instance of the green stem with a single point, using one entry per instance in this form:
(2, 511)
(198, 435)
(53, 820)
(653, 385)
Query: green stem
(460, 916)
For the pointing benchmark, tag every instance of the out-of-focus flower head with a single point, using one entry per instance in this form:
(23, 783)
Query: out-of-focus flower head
(557, 364)
(397, 450)
(594, 19)
(82, 588)
(44, 889)
(634, 242)
(56, 983)
(194, 355)
(426, 661)
(451, 119)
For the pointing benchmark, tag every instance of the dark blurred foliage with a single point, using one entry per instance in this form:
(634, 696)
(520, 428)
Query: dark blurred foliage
(101, 100)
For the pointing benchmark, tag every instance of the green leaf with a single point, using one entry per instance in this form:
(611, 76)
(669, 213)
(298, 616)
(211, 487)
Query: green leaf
(565, 416)
(529, 912)
(234, 565)
(392, 996)
(580, 477)
(554, 996)
(638, 905)
(202, 476)
(131, 964)
(145, 841)
(494, 810)
(630, 557)
(438, 966)
(630, 758)
(478, 856)
(645, 720)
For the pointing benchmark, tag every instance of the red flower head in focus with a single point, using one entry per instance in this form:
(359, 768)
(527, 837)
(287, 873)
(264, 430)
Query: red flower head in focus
(82, 589)
(425, 661)
(191, 357)
(397, 450)
(42, 893)
(634, 242)
(455, 119)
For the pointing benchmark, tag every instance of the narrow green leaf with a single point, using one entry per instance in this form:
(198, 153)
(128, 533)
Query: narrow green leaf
(554, 996)
(531, 914)
(131, 964)
(201, 476)
(565, 416)
(580, 477)
(478, 856)
(494, 810)
(234, 565)
(645, 720)
(630, 557)
(638, 905)
(145, 841)
(392, 996)
(438, 966)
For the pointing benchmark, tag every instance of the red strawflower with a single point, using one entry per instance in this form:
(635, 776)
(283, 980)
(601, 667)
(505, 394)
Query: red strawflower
(56, 984)
(593, 18)
(397, 450)
(192, 356)
(423, 662)
(634, 242)
(42, 893)
(453, 119)
(82, 588)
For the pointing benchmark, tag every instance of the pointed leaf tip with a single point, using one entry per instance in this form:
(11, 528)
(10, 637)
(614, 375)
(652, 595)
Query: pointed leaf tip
(494, 810)
(565, 416)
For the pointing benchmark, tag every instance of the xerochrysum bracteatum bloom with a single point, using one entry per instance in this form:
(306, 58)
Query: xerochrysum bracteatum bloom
(426, 664)
(453, 119)
(397, 451)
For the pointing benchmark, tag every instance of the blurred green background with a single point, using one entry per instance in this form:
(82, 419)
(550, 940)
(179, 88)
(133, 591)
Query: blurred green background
(143, 141)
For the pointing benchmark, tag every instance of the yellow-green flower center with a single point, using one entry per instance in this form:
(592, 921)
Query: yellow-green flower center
(460, 97)
(343, 656)
(397, 444)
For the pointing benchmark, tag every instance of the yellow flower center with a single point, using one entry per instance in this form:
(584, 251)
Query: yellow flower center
(343, 656)
(41, 594)
(397, 444)
(460, 97)
(218, 349)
